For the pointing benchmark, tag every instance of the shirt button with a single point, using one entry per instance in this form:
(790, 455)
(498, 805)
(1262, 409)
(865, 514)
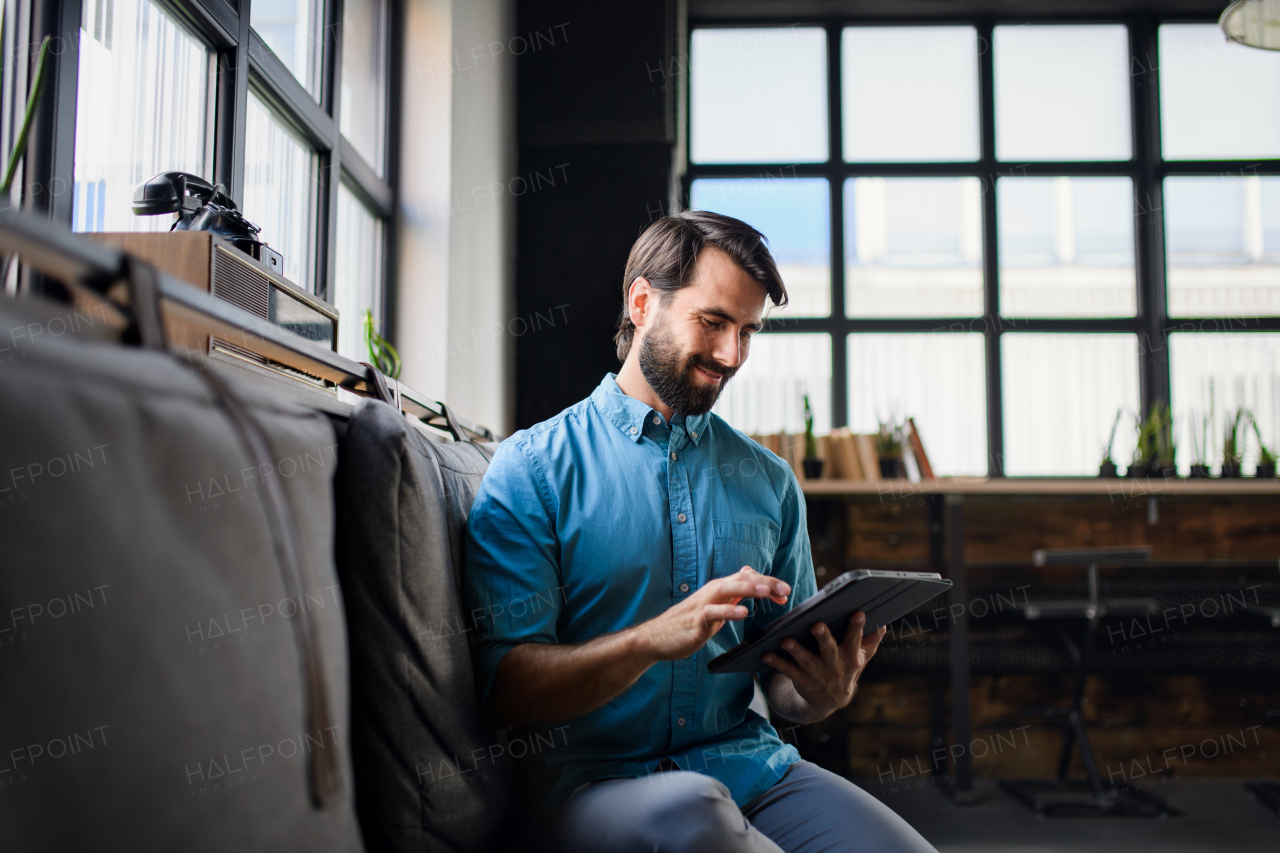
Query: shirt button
(634, 430)
(680, 722)
(657, 420)
(693, 435)
(684, 587)
(673, 457)
(681, 517)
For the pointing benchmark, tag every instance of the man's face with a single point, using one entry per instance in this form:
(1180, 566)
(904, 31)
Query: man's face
(700, 334)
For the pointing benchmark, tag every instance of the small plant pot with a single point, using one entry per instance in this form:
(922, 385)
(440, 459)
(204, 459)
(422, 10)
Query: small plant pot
(891, 468)
(1169, 472)
(1199, 471)
(1230, 469)
(1265, 470)
(1137, 469)
(812, 468)
(1108, 469)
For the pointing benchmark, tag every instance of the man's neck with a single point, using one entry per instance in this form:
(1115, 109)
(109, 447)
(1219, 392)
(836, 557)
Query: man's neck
(632, 382)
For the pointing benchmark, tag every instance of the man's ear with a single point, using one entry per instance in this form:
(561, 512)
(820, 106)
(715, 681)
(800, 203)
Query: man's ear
(641, 300)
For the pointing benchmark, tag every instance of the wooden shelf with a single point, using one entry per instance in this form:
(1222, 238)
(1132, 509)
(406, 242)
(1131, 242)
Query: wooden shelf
(1120, 488)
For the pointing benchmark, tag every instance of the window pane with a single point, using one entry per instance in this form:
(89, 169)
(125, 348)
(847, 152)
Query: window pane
(293, 29)
(1061, 395)
(913, 247)
(364, 79)
(358, 280)
(794, 214)
(758, 95)
(1062, 93)
(767, 393)
(1216, 98)
(909, 93)
(141, 110)
(938, 379)
(1066, 247)
(1222, 235)
(279, 190)
(1221, 373)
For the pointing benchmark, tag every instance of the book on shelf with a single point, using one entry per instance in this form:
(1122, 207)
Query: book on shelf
(868, 458)
(843, 450)
(917, 450)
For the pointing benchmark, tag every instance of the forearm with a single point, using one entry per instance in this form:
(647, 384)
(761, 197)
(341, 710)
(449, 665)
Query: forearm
(787, 703)
(539, 683)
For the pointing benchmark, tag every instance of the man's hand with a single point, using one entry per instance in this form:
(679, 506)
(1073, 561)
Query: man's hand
(540, 683)
(824, 682)
(685, 627)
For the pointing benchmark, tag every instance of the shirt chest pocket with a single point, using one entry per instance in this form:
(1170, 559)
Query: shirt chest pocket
(742, 543)
(738, 544)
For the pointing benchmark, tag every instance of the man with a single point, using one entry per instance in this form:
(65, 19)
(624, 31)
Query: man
(616, 548)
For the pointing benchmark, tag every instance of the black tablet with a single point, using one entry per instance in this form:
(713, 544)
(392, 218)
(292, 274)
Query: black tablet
(883, 596)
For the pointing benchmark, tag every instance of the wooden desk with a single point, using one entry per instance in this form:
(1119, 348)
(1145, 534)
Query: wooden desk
(945, 499)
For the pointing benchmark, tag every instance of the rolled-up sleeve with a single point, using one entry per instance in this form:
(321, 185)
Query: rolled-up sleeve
(513, 590)
(792, 560)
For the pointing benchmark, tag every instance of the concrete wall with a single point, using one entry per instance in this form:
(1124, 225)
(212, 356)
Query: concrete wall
(455, 263)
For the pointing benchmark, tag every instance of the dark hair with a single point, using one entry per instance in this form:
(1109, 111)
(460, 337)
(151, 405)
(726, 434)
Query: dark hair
(666, 253)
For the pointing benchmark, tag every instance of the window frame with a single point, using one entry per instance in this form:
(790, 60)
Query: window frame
(1146, 169)
(242, 60)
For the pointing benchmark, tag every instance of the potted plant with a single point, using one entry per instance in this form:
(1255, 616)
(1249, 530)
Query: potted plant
(1108, 466)
(888, 442)
(1166, 449)
(1231, 446)
(1200, 447)
(1266, 456)
(1144, 449)
(812, 464)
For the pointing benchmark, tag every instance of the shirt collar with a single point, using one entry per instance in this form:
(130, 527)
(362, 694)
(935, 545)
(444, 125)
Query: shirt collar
(629, 414)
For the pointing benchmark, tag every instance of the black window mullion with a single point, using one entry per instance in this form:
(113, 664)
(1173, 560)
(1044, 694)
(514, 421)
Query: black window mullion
(330, 176)
(233, 105)
(1153, 342)
(990, 252)
(48, 169)
(394, 62)
(835, 188)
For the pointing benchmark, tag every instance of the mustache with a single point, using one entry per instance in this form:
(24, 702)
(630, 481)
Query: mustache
(710, 366)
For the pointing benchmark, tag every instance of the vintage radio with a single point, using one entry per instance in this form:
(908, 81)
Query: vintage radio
(213, 264)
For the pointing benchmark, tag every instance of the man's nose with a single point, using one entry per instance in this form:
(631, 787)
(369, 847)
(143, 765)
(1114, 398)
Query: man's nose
(728, 350)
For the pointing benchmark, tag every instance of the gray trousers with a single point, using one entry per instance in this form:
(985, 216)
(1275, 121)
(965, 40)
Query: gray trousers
(810, 810)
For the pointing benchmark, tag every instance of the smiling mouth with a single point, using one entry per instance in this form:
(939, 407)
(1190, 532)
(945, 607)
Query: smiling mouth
(711, 377)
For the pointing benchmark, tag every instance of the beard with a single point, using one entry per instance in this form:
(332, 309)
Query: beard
(670, 374)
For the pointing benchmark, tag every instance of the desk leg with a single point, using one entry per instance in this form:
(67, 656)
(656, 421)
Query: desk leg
(962, 790)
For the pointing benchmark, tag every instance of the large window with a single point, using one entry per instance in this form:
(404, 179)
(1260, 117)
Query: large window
(1009, 232)
(143, 108)
(293, 134)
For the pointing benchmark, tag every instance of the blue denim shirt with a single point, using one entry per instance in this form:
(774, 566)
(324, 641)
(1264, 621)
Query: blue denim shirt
(603, 517)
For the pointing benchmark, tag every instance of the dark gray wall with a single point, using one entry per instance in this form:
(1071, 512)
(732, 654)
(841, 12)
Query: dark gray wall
(596, 128)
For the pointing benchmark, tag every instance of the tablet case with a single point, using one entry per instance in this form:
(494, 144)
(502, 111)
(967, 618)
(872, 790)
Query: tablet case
(883, 595)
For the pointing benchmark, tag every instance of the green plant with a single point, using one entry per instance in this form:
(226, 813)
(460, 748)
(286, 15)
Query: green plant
(1266, 456)
(1155, 438)
(1111, 440)
(1231, 439)
(382, 355)
(889, 440)
(810, 443)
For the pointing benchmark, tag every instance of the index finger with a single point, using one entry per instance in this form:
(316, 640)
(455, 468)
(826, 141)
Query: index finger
(736, 587)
